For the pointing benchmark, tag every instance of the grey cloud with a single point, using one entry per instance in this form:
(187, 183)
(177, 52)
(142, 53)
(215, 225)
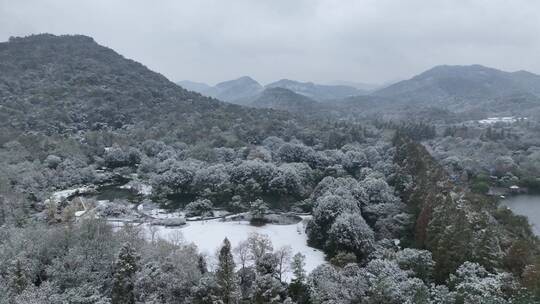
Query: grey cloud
(318, 40)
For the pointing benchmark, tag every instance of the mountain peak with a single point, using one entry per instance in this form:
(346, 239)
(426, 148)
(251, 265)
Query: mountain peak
(316, 91)
(284, 99)
(244, 80)
(98, 86)
(285, 81)
(45, 37)
(199, 87)
(457, 70)
(236, 90)
(453, 86)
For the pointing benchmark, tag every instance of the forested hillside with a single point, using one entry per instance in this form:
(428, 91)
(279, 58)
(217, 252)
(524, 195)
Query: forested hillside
(66, 84)
(471, 89)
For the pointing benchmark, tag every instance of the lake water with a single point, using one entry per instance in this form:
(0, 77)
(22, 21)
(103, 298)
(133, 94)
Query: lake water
(527, 205)
(112, 192)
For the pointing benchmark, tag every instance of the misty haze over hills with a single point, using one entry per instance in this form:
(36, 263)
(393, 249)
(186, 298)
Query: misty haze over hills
(238, 90)
(474, 82)
(471, 89)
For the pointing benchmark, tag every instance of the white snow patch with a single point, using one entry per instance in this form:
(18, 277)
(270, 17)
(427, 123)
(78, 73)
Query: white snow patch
(140, 188)
(163, 214)
(492, 120)
(218, 213)
(209, 235)
(62, 195)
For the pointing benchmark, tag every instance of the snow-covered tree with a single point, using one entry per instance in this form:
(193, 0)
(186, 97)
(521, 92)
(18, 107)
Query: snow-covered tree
(268, 264)
(354, 160)
(473, 284)
(298, 288)
(287, 181)
(215, 179)
(387, 283)
(327, 208)
(118, 157)
(149, 284)
(268, 290)
(18, 277)
(52, 161)
(207, 291)
(283, 256)
(258, 209)
(351, 233)
(261, 172)
(124, 270)
(328, 285)
(176, 178)
(419, 262)
(200, 207)
(259, 245)
(225, 274)
(152, 147)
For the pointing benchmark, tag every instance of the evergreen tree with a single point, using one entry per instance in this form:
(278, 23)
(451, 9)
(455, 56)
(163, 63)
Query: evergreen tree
(298, 289)
(267, 264)
(487, 250)
(124, 270)
(202, 264)
(268, 290)
(206, 291)
(297, 265)
(18, 278)
(225, 275)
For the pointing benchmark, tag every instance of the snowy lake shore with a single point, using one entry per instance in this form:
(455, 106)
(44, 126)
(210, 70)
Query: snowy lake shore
(208, 236)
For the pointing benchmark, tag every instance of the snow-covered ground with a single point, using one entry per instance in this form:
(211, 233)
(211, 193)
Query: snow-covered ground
(492, 120)
(59, 196)
(209, 235)
(140, 188)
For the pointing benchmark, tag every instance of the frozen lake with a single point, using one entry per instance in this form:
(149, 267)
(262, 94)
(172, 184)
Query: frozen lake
(527, 205)
(209, 235)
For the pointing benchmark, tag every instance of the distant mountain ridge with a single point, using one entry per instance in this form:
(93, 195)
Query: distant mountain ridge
(450, 93)
(473, 90)
(443, 84)
(284, 99)
(245, 88)
(317, 91)
(233, 91)
(366, 87)
(198, 87)
(237, 90)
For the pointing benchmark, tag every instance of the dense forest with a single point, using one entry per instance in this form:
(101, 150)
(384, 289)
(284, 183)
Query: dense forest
(399, 206)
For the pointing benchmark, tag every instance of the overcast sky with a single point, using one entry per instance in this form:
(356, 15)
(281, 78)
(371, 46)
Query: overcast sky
(369, 41)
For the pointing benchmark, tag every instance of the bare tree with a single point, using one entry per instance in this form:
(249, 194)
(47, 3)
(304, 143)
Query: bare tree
(153, 230)
(258, 245)
(283, 255)
(242, 253)
(176, 237)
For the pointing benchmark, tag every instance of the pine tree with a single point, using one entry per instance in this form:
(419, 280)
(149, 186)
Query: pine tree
(298, 289)
(297, 265)
(225, 275)
(268, 290)
(487, 250)
(202, 264)
(124, 270)
(18, 279)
